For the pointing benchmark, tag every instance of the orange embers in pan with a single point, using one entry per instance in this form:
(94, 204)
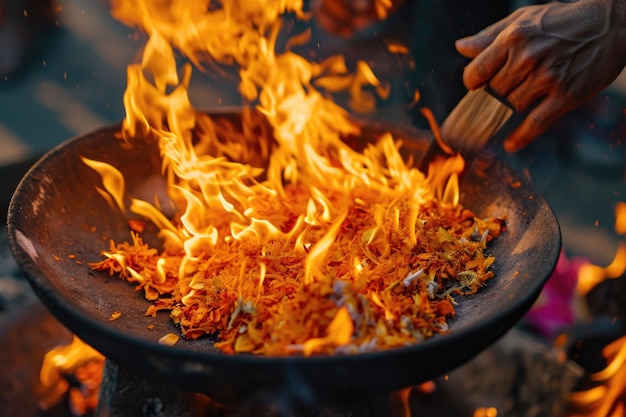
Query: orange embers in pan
(388, 277)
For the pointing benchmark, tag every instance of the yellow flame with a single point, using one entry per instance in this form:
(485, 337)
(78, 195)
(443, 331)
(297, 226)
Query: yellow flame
(620, 218)
(281, 187)
(399, 403)
(486, 412)
(591, 275)
(63, 360)
(319, 251)
(112, 179)
(606, 399)
(339, 332)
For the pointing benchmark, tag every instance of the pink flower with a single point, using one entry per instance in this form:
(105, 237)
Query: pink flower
(555, 307)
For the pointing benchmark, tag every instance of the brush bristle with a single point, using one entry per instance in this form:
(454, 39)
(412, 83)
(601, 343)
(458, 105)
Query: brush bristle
(474, 121)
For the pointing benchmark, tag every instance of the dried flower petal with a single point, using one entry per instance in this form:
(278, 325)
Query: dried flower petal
(169, 339)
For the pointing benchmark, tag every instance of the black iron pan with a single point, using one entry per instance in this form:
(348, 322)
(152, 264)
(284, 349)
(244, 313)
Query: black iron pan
(56, 212)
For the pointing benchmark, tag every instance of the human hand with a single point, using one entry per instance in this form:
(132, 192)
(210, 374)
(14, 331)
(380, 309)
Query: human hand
(557, 55)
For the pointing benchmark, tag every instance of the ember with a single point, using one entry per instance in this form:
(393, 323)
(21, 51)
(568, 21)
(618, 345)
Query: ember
(293, 242)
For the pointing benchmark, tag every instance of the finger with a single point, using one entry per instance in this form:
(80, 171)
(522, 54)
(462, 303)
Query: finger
(536, 123)
(536, 86)
(512, 75)
(471, 46)
(484, 67)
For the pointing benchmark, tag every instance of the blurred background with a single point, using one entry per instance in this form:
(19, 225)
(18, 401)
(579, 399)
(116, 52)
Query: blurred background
(62, 72)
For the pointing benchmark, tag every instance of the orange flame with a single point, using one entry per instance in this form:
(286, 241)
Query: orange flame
(281, 236)
(339, 333)
(80, 360)
(589, 276)
(607, 399)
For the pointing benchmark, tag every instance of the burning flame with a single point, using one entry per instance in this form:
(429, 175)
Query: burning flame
(590, 275)
(608, 398)
(286, 240)
(81, 361)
